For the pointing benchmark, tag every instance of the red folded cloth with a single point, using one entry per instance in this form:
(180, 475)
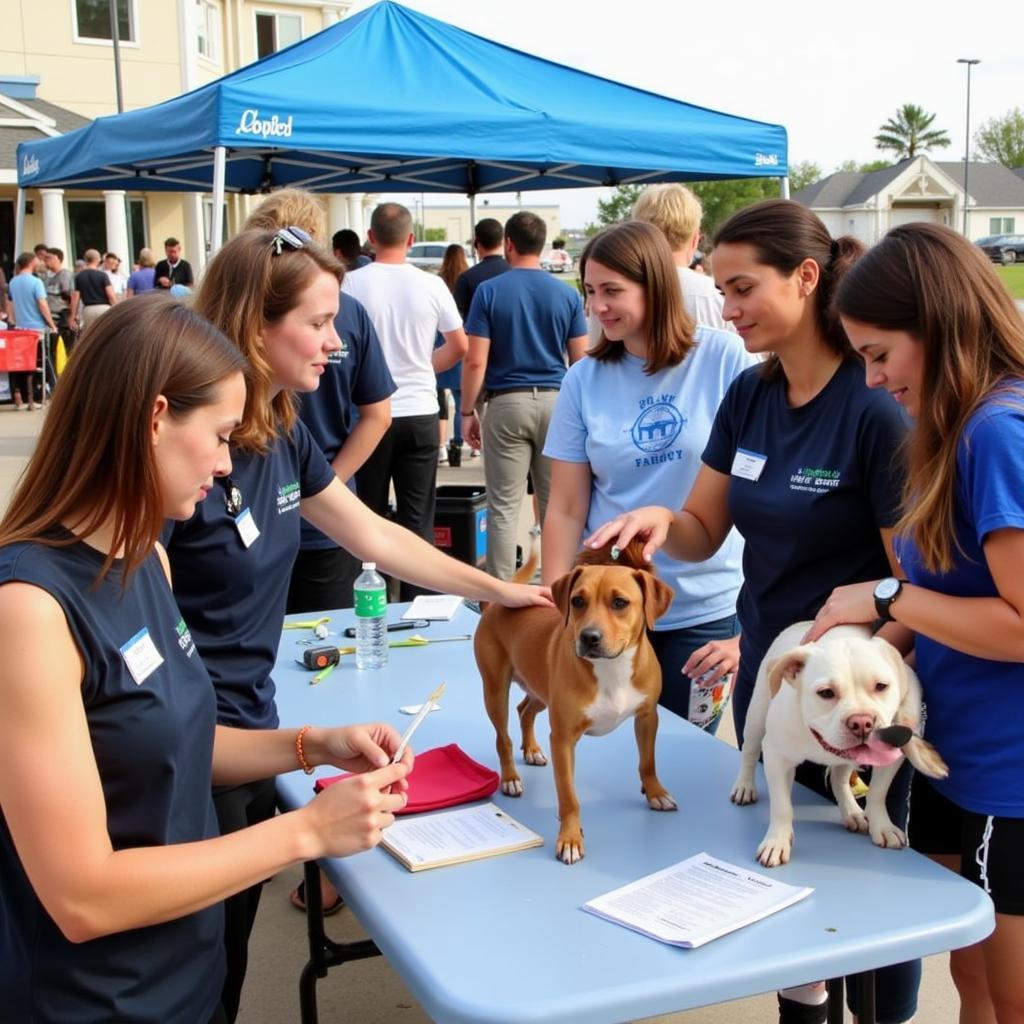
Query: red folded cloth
(442, 777)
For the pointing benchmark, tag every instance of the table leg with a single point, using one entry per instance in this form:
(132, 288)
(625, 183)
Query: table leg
(836, 1004)
(324, 953)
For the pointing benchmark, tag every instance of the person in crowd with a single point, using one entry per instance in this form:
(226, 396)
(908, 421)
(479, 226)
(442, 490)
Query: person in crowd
(118, 281)
(59, 285)
(346, 416)
(938, 331)
(276, 296)
(27, 310)
(628, 429)
(488, 239)
(347, 249)
(523, 326)
(173, 269)
(453, 266)
(142, 279)
(116, 914)
(408, 308)
(800, 461)
(93, 294)
(40, 268)
(677, 212)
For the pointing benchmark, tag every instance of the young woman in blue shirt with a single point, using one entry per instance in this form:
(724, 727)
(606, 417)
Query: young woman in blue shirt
(112, 871)
(938, 331)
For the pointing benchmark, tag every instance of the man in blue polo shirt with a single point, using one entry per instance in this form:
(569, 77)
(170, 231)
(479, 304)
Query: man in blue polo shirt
(27, 310)
(521, 327)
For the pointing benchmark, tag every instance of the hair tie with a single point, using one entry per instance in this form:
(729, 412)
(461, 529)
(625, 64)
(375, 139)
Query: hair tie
(833, 249)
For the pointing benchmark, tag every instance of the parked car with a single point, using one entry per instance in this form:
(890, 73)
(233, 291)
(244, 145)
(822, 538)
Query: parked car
(1003, 249)
(557, 261)
(427, 255)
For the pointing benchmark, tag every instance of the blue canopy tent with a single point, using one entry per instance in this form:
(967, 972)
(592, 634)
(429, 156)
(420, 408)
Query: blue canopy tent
(391, 100)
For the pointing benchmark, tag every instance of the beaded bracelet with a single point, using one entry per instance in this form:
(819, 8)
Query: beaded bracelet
(300, 753)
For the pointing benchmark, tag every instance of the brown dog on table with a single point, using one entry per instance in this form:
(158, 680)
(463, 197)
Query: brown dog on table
(589, 662)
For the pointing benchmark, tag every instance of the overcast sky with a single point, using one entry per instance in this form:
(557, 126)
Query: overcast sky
(830, 73)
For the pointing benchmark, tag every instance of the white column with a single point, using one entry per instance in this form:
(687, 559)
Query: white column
(55, 229)
(367, 202)
(117, 224)
(194, 242)
(330, 17)
(337, 215)
(355, 213)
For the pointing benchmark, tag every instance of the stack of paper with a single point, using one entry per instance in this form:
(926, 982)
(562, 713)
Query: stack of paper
(436, 607)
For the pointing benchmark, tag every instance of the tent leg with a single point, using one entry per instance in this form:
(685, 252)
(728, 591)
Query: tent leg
(784, 187)
(472, 220)
(217, 225)
(19, 225)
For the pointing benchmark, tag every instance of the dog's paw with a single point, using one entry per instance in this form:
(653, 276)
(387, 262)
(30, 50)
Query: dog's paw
(569, 847)
(512, 786)
(661, 802)
(887, 835)
(856, 821)
(744, 791)
(775, 850)
(535, 756)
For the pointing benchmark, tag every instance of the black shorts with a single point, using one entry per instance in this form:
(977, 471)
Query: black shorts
(990, 849)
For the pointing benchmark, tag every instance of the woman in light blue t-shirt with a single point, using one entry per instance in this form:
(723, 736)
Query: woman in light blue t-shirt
(628, 430)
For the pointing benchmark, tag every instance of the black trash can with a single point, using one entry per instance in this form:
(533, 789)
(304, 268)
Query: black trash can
(460, 522)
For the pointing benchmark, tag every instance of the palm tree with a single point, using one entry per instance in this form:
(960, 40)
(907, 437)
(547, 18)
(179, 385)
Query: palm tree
(908, 133)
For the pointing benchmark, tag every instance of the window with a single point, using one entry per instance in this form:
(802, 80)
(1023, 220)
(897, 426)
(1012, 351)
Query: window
(207, 29)
(92, 20)
(276, 31)
(87, 223)
(1002, 225)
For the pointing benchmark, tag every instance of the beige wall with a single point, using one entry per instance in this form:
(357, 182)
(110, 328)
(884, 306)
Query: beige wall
(456, 220)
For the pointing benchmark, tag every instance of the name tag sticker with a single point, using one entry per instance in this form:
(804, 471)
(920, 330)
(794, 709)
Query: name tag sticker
(247, 528)
(141, 656)
(748, 465)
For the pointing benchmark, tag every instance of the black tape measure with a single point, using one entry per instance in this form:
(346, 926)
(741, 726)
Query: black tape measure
(320, 657)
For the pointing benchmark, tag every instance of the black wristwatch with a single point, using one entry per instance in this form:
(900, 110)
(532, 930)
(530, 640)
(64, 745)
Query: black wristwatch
(886, 591)
(472, 412)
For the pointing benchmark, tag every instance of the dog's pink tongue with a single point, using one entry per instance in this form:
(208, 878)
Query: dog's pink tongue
(875, 752)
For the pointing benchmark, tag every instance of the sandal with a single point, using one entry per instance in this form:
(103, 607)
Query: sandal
(298, 900)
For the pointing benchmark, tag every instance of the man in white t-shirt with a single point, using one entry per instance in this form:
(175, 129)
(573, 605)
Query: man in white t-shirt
(408, 307)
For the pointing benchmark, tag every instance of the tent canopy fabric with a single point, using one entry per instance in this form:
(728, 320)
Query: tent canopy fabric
(390, 100)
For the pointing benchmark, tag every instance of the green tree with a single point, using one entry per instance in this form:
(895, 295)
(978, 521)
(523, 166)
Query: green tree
(721, 199)
(435, 235)
(864, 168)
(1001, 139)
(618, 205)
(910, 132)
(802, 174)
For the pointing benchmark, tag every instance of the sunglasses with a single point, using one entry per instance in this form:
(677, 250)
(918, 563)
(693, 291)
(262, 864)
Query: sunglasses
(292, 237)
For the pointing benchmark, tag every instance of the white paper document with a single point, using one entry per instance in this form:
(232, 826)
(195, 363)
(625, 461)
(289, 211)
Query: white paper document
(695, 901)
(468, 833)
(436, 607)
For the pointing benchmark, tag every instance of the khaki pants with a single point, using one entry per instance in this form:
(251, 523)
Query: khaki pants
(91, 313)
(514, 430)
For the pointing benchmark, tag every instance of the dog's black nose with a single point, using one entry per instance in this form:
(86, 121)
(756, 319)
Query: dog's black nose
(590, 638)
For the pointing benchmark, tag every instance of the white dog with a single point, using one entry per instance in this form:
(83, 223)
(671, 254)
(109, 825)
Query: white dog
(851, 700)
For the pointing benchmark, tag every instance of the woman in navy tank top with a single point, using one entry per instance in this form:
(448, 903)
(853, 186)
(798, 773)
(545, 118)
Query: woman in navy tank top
(112, 874)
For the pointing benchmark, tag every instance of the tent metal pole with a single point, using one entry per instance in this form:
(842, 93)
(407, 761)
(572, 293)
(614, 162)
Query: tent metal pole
(19, 225)
(784, 187)
(217, 225)
(472, 220)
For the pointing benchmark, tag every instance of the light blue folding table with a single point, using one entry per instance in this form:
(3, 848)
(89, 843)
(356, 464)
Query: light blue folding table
(503, 940)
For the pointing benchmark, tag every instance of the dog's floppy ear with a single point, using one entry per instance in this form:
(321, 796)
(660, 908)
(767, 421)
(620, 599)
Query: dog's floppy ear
(897, 662)
(787, 668)
(657, 596)
(561, 591)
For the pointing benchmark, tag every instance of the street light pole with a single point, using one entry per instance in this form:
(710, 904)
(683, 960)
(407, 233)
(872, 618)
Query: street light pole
(115, 40)
(969, 61)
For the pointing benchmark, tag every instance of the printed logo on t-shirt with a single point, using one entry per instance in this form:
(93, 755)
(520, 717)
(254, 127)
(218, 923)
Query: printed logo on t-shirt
(656, 430)
(288, 497)
(341, 354)
(185, 638)
(814, 479)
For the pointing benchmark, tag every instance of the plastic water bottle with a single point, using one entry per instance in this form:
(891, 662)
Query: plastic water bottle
(371, 606)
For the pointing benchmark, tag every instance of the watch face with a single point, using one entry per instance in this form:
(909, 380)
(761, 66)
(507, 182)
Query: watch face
(887, 588)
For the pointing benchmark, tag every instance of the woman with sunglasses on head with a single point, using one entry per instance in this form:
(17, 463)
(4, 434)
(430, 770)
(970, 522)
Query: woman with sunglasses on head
(112, 871)
(800, 461)
(275, 295)
(937, 330)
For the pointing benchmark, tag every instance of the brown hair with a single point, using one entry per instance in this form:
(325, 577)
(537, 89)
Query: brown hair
(94, 462)
(639, 252)
(286, 207)
(527, 232)
(933, 284)
(247, 286)
(453, 264)
(784, 233)
(391, 224)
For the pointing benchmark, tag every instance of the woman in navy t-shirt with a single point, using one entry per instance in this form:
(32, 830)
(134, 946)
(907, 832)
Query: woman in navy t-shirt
(111, 869)
(801, 461)
(938, 331)
(275, 295)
